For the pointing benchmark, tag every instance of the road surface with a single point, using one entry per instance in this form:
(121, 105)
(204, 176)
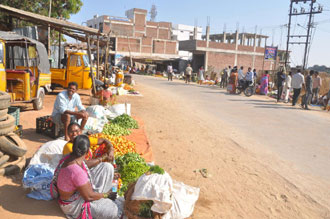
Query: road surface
(293, 142)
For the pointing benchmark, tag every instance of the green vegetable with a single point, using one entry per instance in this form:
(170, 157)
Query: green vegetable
(115, 129)
(126, 121)
(132, 171)
(145, 209)
(156, 169)
(122, 161)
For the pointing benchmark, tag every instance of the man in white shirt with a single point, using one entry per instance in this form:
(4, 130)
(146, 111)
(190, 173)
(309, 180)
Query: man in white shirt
(241, 75)
(297, 82)
(170, 72)
(249, 76)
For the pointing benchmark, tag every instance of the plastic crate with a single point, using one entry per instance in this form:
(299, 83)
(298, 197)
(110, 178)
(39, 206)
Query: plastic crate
(45, 126)
(14, 111)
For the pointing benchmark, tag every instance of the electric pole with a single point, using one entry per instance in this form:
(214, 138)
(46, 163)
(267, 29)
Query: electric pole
(294, 12)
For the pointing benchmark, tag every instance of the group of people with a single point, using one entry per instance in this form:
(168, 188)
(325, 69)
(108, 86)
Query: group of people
(82, 185)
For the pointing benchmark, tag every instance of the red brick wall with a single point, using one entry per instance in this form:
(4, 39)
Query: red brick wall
(138, 34)
(201, 43)
(151, 32)
(146, 41)
(170, 48)
(124, 43)
(158, 46)
(245, 48)
(164, 34)
(122, 29)
(217, 45)
(147, 49)
(220, 60)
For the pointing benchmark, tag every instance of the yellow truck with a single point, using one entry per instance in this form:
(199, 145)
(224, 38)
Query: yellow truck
(76, 68)
(24, 69)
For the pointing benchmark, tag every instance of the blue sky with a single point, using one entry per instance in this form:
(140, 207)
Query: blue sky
(267, 15)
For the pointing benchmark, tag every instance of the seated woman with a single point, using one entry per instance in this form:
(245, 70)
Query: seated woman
(83, 190)
(105, 96)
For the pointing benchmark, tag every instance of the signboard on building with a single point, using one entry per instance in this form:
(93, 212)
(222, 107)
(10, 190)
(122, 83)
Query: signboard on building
(270, 53)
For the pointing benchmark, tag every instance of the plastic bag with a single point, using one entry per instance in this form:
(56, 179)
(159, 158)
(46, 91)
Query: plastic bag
(184, 199)
(118, 109)
(38, 178)
(95, 125)
(96, 111)
(155, 187)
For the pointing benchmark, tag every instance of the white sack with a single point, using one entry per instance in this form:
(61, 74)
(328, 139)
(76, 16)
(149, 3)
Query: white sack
(155, 187)
(119, 109)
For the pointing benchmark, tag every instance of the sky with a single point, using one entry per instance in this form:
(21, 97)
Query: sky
(266, 16)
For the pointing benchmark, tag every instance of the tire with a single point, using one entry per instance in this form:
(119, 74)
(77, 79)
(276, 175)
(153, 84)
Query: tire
(13, 167)
(11, 144)
(3, 114)
(39, 102)
(238, 91)
(4, 100)
(249, 91)
(7, 125)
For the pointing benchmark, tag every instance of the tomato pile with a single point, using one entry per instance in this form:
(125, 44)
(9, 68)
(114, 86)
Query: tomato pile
(121, 145)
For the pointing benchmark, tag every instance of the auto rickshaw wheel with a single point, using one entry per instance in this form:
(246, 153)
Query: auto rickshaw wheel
(39, 102)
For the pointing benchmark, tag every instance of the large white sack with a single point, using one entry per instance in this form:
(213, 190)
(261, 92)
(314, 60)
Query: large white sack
(155, 187)
(50, 153)
(184, 199)
(118, 109)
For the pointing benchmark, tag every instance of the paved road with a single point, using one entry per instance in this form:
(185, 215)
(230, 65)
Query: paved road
(298, 138)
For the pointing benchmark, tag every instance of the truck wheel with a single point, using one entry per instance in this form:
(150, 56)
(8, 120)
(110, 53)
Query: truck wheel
(4, 100)
(39, 102)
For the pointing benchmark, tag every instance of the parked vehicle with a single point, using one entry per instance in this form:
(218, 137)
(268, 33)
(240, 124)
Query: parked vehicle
(246, 87)
(75, 68)
(24, 69)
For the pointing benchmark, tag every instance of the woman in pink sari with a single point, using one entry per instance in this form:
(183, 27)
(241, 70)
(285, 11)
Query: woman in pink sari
(83, 189)
(264, 84)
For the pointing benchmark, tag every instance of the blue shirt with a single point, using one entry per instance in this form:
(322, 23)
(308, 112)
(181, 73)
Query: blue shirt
(249, 76)
(63, 103)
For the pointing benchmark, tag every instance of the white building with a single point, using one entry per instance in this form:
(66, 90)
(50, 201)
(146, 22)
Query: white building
(183, 32)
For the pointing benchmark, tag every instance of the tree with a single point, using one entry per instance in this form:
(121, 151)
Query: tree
(60, 9)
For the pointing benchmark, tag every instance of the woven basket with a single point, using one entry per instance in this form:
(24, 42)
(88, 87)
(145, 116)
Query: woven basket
(132, 207)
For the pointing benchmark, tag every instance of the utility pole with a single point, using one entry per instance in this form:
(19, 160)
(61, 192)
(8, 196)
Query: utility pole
(49, 13)
(294, 12)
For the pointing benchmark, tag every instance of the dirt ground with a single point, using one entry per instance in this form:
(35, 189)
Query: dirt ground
(238, 186)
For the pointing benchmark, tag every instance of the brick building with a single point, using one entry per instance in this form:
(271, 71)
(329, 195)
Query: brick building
(217, 51)
(133, 36)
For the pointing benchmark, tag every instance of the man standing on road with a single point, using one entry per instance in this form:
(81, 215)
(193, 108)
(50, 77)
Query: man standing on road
(170, 72)
(297, 82)
(188, 73)
(280, 80)
(287, 87)
(224, 78)
(317, 83)
(309, 91)
(249, 76)
(64, 108)
(241, 75)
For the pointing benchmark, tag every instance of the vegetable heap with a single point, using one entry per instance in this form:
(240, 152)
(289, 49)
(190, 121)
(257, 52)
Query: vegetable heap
(115, 129)
(126, 121)
(120, 144)
(131, 167)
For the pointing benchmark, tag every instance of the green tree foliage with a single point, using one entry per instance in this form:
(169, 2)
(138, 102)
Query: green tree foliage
(60, 9)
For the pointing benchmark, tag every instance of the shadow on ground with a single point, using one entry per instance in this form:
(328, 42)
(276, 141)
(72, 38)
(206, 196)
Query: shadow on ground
(31, 135)
(14, 199)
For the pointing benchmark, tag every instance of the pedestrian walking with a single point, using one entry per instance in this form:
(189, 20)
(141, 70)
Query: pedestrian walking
(201, 75)
(170, 72)
(309, 91)
(188, 74)
(255, 76)
(241, 75)
(317, 83)
(224, 78)
(287, 87)
(297, 83)
(280, 80)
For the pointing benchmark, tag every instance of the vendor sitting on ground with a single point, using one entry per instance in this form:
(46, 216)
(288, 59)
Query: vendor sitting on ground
(83, 190)
(74, 130)
(64, 108)
(105, 96)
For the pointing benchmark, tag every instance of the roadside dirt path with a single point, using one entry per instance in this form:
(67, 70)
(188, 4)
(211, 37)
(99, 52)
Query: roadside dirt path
(183, 140)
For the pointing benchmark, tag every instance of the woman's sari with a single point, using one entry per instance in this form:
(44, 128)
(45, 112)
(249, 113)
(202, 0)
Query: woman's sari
(75, 206)
(264, 85)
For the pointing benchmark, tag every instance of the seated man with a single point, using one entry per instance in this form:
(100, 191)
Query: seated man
(74, 130)
(64, 108)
